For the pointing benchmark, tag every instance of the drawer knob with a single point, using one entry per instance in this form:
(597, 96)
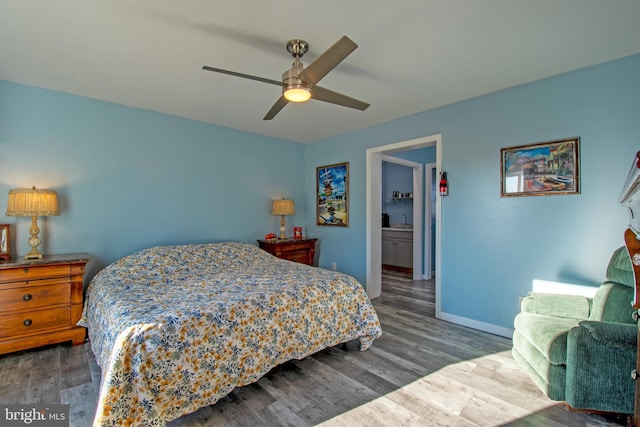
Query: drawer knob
(27, 322)
(27, 297)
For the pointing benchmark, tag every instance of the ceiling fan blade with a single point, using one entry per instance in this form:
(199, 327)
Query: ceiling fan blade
(326, 95)
(279, 105)
(327, 61)
(245, 76)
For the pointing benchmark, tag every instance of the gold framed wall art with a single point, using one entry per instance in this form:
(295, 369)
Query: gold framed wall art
(543, 169)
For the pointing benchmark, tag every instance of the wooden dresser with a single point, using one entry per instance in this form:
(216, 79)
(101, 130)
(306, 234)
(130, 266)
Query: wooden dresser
(41, 301)
(302, 251)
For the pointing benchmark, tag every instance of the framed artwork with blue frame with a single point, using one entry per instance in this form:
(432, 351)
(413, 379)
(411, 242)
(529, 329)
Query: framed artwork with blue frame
(332, 195)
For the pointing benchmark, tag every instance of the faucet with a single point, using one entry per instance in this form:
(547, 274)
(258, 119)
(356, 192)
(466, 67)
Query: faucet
(404, 221)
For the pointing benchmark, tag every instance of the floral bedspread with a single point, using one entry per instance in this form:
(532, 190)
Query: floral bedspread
(176, 328)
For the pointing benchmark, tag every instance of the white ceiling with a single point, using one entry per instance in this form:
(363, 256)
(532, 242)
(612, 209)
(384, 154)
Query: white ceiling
(412, 55)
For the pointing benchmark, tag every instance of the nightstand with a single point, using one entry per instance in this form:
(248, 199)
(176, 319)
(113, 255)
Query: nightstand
(41, 301)
(302, 251)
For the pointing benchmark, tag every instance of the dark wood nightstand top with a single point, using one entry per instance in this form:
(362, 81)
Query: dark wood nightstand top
(300, 250)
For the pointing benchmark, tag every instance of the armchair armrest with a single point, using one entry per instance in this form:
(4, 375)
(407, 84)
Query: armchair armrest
(600, 358)
(559, 305)
(619, 335)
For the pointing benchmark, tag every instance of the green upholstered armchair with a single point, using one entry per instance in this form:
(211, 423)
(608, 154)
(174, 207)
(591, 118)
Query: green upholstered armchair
(582, 350)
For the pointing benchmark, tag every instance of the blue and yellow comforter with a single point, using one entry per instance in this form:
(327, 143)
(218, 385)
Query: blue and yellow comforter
(176, 328)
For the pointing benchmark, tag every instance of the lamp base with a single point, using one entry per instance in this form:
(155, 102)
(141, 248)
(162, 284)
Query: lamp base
(282, 236)
(34, 253)
(34, 240)
(34, 256)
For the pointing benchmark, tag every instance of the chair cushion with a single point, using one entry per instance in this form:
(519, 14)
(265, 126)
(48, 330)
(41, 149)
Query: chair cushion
(612, 303)
(619, 269)
(548, 334)
(572, 306)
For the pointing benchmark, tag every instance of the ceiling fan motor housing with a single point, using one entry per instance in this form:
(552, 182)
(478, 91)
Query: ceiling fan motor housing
(291, 81)
(291, 75)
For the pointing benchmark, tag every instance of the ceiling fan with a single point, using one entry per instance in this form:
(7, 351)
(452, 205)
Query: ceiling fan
(299, 83)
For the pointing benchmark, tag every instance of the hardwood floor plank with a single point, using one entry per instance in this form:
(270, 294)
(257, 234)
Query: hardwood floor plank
(283, 416)
(335, 358)
(381, 411)
(81, 401)
(436, 392)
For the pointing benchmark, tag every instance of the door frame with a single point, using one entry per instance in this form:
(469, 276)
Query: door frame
(428, 183)
(374, 211)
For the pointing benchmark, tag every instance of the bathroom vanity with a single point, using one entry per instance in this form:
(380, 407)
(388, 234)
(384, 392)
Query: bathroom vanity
(397, 248)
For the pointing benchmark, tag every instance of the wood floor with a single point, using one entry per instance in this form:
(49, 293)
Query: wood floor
(421, 372)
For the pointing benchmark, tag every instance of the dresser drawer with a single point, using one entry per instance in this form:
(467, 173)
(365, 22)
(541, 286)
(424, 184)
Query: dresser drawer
(30, 297)
(34, 321)
(35, 273)
(297, 256)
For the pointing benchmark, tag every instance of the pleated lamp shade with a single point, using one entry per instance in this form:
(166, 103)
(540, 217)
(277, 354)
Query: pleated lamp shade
(34, 203)
(283, 207)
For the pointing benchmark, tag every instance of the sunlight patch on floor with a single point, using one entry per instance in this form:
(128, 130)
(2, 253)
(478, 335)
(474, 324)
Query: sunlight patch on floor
(478, 392)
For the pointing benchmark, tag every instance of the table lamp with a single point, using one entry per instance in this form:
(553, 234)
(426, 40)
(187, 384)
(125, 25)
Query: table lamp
(283, 207)
(34, 203)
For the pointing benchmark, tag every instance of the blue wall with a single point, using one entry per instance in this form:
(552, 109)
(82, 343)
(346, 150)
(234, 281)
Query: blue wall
(397, 177)
(420, 155)
(129, 178)
(493, 247)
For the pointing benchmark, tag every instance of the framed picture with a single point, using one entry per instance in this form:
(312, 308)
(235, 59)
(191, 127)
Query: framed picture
(332, 195)
(5, 248)
(543, 169)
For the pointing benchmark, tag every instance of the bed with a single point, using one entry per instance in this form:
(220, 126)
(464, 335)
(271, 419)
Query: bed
(176, 328)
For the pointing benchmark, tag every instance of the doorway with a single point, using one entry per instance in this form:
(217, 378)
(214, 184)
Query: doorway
(417, 212)
(374, 211)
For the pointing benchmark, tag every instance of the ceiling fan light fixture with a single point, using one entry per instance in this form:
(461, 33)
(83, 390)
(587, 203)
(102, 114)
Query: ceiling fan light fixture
(297, 93)
(299, 84)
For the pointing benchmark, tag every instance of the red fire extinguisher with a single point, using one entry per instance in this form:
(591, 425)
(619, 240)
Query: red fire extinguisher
(444, 186)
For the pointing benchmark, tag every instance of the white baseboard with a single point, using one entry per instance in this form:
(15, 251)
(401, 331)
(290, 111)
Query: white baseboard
(426, 276)
(475, 324)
